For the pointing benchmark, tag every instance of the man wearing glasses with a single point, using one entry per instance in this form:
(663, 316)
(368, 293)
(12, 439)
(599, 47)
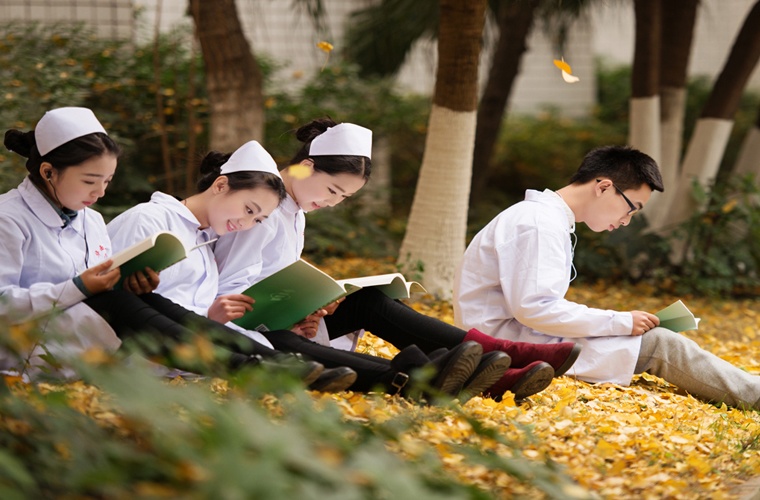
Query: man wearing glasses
(515, 273)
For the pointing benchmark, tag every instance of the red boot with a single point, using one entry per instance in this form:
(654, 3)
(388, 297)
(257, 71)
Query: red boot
(522, 382)
(560, 356)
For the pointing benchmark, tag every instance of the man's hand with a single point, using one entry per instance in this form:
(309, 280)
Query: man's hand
(643, 322)
(307, 328)
(141, 282)
(228, 307)
(97, 280)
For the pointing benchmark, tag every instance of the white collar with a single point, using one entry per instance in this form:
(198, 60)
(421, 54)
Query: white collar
(42, 207)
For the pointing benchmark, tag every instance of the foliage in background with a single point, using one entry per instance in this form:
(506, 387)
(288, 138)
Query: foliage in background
(47, 66)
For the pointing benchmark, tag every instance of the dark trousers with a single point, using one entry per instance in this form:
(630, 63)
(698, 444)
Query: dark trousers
(371, 371)
(154, 323)
(392, 321)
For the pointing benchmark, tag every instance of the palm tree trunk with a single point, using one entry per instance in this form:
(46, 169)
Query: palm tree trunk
(435, 235)
(645, 80)
(678, 20)
(233, 77)
(515, 24)
(710, 137)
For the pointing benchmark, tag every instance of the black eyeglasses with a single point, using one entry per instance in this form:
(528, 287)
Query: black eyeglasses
(634, 209)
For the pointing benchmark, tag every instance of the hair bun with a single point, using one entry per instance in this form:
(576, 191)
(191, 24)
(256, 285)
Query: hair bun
(19, 142)
(314, 128)
(213, 162)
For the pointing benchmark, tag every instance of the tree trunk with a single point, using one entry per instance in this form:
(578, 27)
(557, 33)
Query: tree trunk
(748, 161)
(233, 77)
(435, 235)
(515, 24)
(678, 19)
(710, 137)
(645, 79)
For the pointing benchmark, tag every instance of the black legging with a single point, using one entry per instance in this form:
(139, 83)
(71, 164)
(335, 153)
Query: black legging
(392, 321)
(151, 319)
(371, 371)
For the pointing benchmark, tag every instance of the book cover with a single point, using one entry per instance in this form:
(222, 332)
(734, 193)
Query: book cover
(157, 252)
(289, 295)
(677, 317)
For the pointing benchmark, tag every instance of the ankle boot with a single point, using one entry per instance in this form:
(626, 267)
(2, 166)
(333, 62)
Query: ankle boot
(455, 367)
(451, 369)
(522, 382)
(307, 371)
(560, 356)
(334, 380)
(490, 370)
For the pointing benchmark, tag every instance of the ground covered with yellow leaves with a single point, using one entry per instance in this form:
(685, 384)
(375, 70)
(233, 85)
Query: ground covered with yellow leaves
(212, 439)
(643, 441)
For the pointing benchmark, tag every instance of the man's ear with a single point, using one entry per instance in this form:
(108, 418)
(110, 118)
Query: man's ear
(602, 185)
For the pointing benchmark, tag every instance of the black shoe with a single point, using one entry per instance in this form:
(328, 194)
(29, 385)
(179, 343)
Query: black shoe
(491, 368)
(334, 380)
(536, 380)
(307, 371)
(456, 367)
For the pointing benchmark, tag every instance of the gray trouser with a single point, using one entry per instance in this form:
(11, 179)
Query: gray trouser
(683, 363)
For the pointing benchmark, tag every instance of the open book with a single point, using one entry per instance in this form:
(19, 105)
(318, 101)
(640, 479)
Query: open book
(289, 295)
(156, 252)
(677, 317)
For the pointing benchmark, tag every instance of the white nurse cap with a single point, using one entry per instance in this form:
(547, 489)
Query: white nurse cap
(250, 157)
(62, 125)
(343, 139)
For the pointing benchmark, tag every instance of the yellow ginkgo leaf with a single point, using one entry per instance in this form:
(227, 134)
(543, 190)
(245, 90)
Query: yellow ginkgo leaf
(569, 78)
(299, 171)
(561, 64)
(326, 47)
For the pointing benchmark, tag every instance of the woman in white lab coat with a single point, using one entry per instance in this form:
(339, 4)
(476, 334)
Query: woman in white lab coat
(332, 165)
(229, 201)
(56, 253)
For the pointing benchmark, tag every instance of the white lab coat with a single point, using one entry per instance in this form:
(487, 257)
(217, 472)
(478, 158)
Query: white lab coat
(38, 259)
(193, 282)
(512, 281)
(247, 257)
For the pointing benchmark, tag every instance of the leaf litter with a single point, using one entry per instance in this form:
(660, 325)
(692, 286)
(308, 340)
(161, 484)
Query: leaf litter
(648, 440)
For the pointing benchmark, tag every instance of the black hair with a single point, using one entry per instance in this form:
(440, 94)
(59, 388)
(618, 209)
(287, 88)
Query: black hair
(332, 164)
(628, 168)
(211, 166)
(68, 154)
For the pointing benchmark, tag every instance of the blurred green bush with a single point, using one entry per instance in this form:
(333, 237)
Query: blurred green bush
(47, 66)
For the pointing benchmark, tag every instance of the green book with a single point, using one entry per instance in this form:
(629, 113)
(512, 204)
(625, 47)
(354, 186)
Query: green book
(289, 295)
(157, 252)
(677, 317)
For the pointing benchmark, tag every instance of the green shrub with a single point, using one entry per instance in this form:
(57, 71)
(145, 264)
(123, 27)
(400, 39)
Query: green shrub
(259, 435)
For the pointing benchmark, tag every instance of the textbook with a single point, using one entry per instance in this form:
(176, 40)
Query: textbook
(157, 252)
(677, 317)
(289, 295)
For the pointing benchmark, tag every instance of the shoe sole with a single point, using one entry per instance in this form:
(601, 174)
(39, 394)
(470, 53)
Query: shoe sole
(459, 369)
(570, 361)
(536, 380)
(339, 383)
(311, 376)
(487, 376)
